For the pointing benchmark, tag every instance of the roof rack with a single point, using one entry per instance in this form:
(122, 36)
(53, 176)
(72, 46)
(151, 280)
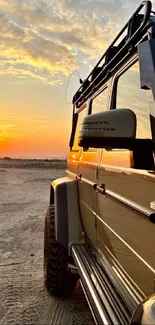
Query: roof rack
(135, 29)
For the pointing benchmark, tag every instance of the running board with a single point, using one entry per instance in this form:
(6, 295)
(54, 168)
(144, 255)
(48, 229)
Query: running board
(106, 304)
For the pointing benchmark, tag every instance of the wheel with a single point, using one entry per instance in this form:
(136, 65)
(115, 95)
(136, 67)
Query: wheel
(58, 278)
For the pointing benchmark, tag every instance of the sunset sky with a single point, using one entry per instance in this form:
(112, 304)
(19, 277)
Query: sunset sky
(41, 43)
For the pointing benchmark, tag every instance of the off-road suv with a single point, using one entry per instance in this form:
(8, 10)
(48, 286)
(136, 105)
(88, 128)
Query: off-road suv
(101, 216)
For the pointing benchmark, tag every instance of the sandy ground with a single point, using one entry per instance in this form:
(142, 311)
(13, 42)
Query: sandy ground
(24, 197)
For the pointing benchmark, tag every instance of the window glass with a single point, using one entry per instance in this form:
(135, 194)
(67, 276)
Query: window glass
(81, 116)
(99, 103)
(130, 95)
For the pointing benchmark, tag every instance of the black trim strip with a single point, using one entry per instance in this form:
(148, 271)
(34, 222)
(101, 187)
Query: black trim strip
(86, 182)
(145, 212)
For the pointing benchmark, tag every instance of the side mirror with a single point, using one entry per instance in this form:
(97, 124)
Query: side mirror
(111, 129)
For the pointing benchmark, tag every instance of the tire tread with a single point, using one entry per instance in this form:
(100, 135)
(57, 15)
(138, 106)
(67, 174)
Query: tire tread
(58, 278)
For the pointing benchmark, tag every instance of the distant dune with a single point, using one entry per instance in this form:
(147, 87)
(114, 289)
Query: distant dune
(8, 162)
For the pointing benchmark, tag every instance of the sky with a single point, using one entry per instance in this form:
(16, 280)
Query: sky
(42, 42)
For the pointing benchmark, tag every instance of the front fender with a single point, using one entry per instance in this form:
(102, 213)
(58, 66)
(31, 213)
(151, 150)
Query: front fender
(64, 194)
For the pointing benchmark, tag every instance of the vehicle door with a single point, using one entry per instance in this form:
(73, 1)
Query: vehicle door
(88, 166)
(125, 236)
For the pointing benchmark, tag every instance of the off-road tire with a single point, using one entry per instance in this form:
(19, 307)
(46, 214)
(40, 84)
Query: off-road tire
(57, 276)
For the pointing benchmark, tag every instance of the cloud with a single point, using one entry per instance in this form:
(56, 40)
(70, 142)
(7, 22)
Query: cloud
(26, 53)
(45, 40)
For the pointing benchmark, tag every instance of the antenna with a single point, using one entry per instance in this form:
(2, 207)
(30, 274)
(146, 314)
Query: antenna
(80, 81)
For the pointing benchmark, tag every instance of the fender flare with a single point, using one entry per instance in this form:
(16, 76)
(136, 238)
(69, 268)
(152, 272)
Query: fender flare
(64, 194)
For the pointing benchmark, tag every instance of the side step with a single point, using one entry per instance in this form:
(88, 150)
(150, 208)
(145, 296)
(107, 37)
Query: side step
(105, 302)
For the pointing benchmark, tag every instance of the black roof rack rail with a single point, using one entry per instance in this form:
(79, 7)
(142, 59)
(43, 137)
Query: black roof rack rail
(136, 27)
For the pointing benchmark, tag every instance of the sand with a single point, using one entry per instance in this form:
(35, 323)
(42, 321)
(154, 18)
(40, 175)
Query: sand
(24, 198)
